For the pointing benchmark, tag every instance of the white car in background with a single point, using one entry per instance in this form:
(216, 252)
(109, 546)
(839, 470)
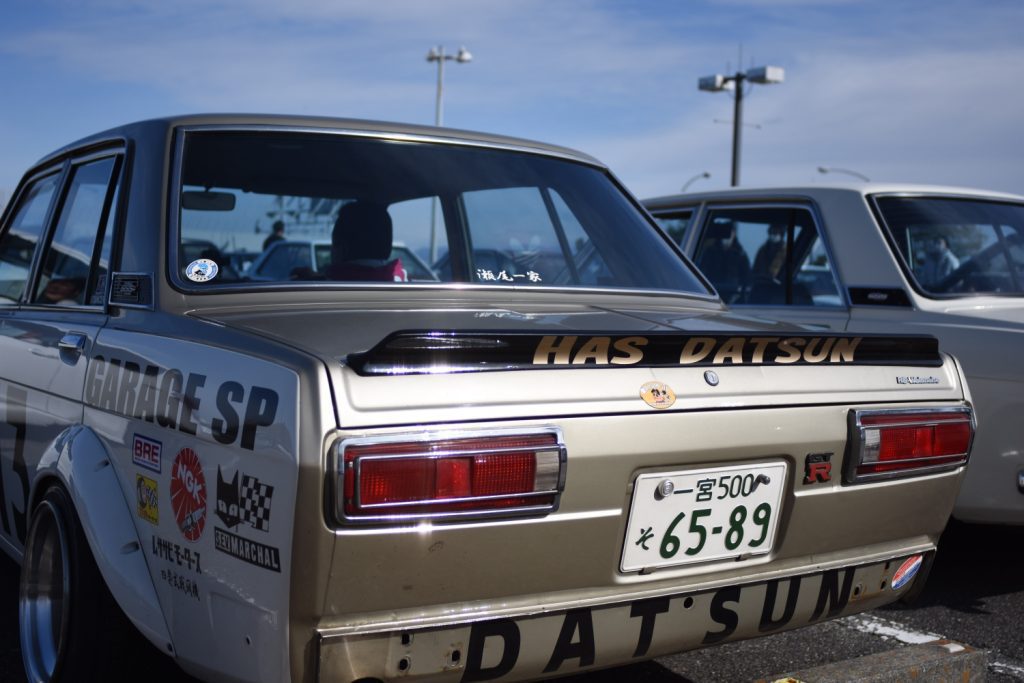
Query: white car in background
(885, 258)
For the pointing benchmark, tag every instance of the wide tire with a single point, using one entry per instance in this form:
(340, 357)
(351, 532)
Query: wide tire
(71, 628)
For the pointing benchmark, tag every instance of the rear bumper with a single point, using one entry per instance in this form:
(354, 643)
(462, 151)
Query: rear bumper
(571, 638)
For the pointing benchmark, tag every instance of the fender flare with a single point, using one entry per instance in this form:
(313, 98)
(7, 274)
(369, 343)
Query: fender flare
(79, 460)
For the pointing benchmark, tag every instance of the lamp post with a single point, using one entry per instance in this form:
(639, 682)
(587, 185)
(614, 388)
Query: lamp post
(694, 179)
(762, 75)
(437, 54)
(833, 169)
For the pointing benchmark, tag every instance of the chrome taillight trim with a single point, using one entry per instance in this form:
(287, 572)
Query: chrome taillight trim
(855, 443)
(337, 461)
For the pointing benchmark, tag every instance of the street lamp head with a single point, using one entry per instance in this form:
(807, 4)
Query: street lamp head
(464, 55)
(766, 75)
(711, 83)
(434, 55)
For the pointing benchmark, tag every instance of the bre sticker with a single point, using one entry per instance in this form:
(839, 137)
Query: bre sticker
(906, 572)
(188, 494)
(657, 395)
(202, 270)
(147, 498)
(146, 453)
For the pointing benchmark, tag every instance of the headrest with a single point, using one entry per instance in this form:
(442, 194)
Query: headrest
(363, 231)
(720, 229)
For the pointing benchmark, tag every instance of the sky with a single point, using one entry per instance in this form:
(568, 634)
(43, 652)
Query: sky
(914, 91)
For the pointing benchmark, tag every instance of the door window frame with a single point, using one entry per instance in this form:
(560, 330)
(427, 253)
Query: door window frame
(109, 218)
(699, 226)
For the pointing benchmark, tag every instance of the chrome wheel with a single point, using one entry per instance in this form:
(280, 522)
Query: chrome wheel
(45, 592)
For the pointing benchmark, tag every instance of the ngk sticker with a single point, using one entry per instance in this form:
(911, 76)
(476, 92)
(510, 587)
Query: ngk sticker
(188, 494)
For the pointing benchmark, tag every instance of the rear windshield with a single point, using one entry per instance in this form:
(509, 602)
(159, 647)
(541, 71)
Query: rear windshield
(958, 246)
(282, 207)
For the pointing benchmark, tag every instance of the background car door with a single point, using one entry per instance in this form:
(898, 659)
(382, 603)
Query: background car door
(54, 260)
(771, 259)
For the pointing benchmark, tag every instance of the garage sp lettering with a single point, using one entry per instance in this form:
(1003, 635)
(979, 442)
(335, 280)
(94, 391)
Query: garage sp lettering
(172, 398)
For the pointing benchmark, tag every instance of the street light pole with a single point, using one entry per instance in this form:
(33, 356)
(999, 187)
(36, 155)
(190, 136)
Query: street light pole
(437, 54)
(737, 127)
(763, 75)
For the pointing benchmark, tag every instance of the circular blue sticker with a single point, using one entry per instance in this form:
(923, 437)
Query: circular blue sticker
(201, 270)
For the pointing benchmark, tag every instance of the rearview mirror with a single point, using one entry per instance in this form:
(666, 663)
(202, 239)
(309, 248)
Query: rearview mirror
(207, 201)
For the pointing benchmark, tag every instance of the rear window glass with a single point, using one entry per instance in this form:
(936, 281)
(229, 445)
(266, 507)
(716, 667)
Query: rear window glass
(958, 247)
(308, 208)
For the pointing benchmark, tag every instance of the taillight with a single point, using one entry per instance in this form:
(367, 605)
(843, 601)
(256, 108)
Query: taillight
(894, 443)
(497, 473)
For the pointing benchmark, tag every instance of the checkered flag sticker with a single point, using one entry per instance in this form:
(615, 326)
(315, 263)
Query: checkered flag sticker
(254, 498)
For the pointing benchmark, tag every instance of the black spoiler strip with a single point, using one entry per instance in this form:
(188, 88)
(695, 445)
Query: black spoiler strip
(433, 351)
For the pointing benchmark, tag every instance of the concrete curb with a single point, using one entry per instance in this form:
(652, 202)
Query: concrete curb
(939, 660)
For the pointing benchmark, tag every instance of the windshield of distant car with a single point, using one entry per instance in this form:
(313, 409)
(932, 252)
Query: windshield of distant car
(315, 208)
(958, 247)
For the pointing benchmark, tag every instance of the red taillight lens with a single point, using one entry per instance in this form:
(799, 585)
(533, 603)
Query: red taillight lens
(891, 443)
(396, 479)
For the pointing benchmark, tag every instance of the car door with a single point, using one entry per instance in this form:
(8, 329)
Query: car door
(55, 253)
(771, 260)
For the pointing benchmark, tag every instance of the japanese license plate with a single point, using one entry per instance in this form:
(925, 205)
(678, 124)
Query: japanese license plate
(702, 515)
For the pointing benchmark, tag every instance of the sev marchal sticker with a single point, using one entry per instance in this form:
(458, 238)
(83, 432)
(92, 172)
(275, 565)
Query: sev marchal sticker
(188, 494)
(202, 270)
(657, 395)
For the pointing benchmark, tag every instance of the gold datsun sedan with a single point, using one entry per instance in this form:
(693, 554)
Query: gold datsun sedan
(557, 452)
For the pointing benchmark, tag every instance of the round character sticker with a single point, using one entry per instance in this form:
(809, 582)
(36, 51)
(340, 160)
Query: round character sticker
(188, 494)
(202, 270)
(657, 395)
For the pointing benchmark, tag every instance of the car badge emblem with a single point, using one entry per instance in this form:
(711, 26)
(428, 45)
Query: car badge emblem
(818, 468)
(201, 270)
(711, 377)
(657, 395)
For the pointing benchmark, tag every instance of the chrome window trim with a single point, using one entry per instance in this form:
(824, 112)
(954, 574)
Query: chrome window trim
(174, 217)
(856, 439)
(337, 469)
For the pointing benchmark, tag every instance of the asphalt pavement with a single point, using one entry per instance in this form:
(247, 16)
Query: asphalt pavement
(975, 596)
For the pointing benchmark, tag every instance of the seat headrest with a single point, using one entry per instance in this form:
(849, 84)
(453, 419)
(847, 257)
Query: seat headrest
(362, 231)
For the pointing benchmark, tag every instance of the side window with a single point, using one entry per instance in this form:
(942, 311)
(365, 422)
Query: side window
(64, 274)
(18, 244)
(767, 256)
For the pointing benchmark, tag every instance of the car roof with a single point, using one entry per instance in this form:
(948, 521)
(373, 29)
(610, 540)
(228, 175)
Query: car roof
(817, 190)
(320, 123)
